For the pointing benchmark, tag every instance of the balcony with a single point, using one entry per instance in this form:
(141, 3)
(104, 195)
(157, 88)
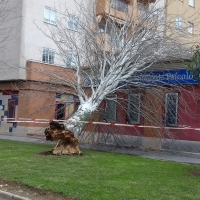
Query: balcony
(113, 8)
(121, 10)
(118, 12)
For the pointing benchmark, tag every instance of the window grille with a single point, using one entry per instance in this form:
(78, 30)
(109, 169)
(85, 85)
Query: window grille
(171, 109)
(111, 108)
(133, 114)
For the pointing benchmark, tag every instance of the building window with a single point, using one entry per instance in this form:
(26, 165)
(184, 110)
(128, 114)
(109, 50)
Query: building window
(111, 108)
(73, 22)
(119, 5)
(101, 30)
(48, 56)
(179, 22)
(133, 113)
(11, 108)
(190, 27)
(71, 60)
(171, 109)
(60, 111)
(58, 96)
(49, 15)
(191, 3)
(76, 105)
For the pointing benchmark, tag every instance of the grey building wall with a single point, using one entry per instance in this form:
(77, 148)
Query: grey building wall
(10, 31)
(26, 41)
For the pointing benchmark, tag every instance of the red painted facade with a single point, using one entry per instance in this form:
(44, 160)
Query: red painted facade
(188, 115)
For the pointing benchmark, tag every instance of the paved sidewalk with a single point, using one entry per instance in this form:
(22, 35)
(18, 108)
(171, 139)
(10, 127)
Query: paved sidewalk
(181, 157)
(9, 196)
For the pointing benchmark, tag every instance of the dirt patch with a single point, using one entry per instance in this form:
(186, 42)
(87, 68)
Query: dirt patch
(195, 172)
(29, 192)
(49, 153)
(46, 153)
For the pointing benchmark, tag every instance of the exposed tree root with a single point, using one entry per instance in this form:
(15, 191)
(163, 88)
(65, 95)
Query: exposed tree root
(67, 142)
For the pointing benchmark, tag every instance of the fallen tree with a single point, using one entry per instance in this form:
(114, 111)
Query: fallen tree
(107, 52)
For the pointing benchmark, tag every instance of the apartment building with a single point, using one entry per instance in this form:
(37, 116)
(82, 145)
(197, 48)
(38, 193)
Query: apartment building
(27, 40)
(183, 11)
(29, 61)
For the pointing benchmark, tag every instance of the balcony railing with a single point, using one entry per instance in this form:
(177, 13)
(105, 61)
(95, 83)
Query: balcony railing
(121, 9)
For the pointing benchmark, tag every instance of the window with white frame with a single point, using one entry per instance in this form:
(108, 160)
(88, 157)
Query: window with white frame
(71, 60)
(48, 55)
(179, 22)
(111, 108)
(50, 15)
(171, 109)
(119, 5)
(190, 27)
(191, 3)
(133, 112)
(73, 22)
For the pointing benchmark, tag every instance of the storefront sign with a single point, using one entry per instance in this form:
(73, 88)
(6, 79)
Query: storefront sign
(174, 77)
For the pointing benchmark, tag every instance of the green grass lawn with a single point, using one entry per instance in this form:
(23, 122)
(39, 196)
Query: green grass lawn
(97, 175)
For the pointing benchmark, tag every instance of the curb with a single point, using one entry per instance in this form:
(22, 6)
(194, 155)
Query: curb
(9, 195)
